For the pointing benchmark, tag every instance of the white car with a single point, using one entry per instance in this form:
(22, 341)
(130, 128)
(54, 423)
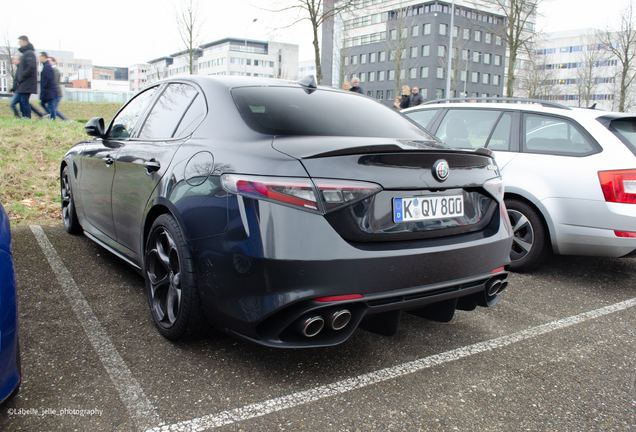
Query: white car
(569, 173)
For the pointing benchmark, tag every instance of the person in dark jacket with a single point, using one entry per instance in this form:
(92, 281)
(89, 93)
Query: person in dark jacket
(60, 88)
(48, 88)
(16, 96)
(406, 97)
(355, 86)
(26, 75)
(416, 97)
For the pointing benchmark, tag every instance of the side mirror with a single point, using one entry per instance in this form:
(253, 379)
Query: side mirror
(95, 127)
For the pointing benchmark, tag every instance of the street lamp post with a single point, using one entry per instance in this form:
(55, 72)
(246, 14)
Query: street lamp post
(245, 58)
(450, 50)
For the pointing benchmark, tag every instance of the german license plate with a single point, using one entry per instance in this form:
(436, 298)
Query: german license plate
(427, 207)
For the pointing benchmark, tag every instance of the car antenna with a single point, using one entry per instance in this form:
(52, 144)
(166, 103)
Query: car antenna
(593, 106)
(309, 82)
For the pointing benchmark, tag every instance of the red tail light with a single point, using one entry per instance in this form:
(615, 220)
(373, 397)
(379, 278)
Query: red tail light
(319, 195)
(619, 186)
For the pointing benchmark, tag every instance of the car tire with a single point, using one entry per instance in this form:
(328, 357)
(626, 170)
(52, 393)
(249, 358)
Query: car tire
(69, 215)
(171, 286)
(529, 243)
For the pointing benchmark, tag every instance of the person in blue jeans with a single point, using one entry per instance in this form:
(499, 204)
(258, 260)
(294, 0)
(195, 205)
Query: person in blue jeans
(26, 75)
(60, 88)
(16, 96)
(48, 89)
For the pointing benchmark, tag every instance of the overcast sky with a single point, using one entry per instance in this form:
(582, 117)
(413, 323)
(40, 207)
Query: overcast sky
(125, 32)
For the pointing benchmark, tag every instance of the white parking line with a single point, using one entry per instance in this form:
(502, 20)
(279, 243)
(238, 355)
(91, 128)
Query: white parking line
(312, 395)
(130, 392)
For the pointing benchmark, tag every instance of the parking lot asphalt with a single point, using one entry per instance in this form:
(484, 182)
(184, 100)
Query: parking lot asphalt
(556, 354)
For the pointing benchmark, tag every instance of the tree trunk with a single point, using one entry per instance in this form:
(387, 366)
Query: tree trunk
(512, 60)
(314, 24)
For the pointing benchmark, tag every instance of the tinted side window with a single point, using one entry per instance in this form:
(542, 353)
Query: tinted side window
(500, 139)
(467, 128)
(422, 118)
(192, 118)
(124, 124)
(168, 111)
(554, 135)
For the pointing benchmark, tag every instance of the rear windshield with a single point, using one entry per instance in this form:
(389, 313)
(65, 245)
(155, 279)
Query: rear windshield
(293, 111)
(625, 130)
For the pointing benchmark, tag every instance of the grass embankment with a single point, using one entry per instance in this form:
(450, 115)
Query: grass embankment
(30, 155)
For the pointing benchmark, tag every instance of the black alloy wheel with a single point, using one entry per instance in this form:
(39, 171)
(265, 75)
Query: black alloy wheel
(69, 215)
(171, 283)
(529, 239)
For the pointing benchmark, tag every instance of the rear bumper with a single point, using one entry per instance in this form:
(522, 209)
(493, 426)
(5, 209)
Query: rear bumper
(587, 227)
(261, 283)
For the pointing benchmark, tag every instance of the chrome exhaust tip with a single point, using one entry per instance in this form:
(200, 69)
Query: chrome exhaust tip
(311, 326)
(339, 319)
(493, 287)
(504, 284)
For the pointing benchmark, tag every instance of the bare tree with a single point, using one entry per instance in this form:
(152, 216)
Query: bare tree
(189, 23)
(398, 28)
(621, 44)
(7, 52)
(316, 12)
(587, 73)
(459, 61)
(516, 32)
(537, 79)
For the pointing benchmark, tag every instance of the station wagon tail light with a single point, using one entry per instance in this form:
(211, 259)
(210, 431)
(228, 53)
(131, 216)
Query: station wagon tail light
(619, 186)
(319, 195)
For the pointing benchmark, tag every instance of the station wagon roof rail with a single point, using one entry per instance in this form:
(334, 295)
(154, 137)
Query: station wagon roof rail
(499, 99)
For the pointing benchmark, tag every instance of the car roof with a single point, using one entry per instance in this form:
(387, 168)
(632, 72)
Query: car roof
(231, 82)
(573, 112)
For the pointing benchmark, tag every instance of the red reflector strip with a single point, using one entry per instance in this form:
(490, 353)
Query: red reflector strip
(498, 270)
(339, 298)
(625, 234)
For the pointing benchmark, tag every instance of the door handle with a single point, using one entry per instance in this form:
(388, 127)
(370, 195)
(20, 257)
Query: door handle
(152, 165)
(108, 160)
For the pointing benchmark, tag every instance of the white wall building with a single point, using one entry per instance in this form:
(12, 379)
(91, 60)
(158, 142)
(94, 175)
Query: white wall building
(238, 57)
(565, 57)
(306, 67)
(138, 76)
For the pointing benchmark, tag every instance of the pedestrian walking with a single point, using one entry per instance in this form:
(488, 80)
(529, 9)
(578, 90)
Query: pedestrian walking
(406, 97)
(14, 89)
(48, 89)
(355, 86)
(60, 88)
(416, 97)
(26, 75)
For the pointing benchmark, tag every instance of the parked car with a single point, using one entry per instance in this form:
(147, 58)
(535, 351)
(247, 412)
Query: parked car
(286, 214)
(10, 366)
(569, 173)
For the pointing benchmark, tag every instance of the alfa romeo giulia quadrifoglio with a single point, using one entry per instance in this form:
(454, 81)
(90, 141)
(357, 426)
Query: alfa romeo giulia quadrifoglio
(287, 214)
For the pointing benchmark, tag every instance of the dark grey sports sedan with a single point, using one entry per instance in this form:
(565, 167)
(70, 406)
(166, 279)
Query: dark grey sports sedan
(286, 214)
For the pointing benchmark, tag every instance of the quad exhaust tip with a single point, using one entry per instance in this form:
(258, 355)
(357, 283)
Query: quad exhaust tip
(311, 326)
(339, 319)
